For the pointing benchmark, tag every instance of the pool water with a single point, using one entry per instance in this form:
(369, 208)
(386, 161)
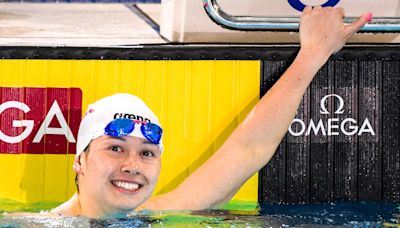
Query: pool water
(323, 215)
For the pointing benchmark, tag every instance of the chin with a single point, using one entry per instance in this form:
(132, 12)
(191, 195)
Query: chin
(129, 202)
(127, 205)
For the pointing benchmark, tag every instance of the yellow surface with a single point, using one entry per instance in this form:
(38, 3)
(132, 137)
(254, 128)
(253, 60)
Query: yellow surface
(33, 177)
(198, 103)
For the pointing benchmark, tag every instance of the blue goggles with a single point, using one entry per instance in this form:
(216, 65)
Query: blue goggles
(122, 126)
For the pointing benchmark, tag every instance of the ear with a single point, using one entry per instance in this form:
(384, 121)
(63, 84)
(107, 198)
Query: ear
(77, 165)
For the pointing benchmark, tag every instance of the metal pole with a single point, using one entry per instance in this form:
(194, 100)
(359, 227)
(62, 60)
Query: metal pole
(249, 23)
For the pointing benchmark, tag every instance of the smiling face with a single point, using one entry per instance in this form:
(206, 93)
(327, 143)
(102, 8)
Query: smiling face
(117, 174)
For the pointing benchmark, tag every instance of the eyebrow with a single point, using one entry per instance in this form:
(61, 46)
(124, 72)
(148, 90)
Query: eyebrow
(124, 140)
(118, 138)
(148, 142)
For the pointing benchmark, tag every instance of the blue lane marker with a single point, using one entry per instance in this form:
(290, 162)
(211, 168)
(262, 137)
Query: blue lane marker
(298, 5)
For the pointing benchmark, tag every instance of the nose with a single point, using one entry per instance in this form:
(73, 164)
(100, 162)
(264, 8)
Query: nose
(132, 171)
(132, 165)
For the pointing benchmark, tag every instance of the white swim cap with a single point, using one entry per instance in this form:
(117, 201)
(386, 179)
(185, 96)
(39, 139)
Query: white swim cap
(99, 114)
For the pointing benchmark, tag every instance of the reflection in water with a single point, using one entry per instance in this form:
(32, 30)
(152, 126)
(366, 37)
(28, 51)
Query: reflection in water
(334, 214)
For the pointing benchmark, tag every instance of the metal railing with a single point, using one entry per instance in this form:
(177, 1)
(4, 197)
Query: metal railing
(253, 23)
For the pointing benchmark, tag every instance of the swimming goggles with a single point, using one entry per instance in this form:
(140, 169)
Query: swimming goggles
(123, 126)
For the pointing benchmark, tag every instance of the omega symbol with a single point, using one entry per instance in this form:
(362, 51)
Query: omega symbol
(331, 126)
(339, 109)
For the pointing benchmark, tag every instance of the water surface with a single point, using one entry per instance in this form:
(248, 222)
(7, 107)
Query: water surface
(233, 215)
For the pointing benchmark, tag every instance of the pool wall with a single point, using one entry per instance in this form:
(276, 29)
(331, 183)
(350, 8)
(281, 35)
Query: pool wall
(201, 93)
(344, 144)
(198, 102)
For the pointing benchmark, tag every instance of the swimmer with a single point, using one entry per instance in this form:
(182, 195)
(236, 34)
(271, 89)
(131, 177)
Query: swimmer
(118, 159)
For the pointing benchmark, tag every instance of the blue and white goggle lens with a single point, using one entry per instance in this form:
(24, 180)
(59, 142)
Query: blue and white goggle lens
(122, 126)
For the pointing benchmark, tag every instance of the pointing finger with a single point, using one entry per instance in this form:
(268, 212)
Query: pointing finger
(359, 23)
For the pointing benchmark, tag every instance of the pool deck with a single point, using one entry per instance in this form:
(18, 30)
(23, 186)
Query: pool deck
(129, 24)
(78, 24)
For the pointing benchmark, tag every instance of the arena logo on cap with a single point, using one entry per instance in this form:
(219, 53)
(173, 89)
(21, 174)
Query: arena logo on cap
(132, 117)
(39, 120)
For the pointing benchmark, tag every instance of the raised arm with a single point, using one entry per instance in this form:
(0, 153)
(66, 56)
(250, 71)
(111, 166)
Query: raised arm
(254, 142)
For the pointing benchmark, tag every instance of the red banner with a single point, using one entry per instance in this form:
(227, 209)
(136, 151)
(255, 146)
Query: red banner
(39, 120)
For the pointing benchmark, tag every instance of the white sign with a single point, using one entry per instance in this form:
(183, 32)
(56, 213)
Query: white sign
(333, 126)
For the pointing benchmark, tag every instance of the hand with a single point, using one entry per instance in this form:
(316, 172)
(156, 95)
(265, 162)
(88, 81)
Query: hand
(323, 32)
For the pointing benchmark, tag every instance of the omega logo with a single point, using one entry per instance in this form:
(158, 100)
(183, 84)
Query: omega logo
(334, 126)
(54, 111)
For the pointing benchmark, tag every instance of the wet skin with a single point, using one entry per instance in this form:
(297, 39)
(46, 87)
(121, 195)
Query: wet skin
(116, 174)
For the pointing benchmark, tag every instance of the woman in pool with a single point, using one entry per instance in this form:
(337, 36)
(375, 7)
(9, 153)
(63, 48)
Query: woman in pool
(120, 139)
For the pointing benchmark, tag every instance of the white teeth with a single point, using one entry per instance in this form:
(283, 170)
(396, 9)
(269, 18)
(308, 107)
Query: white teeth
(126, 185)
